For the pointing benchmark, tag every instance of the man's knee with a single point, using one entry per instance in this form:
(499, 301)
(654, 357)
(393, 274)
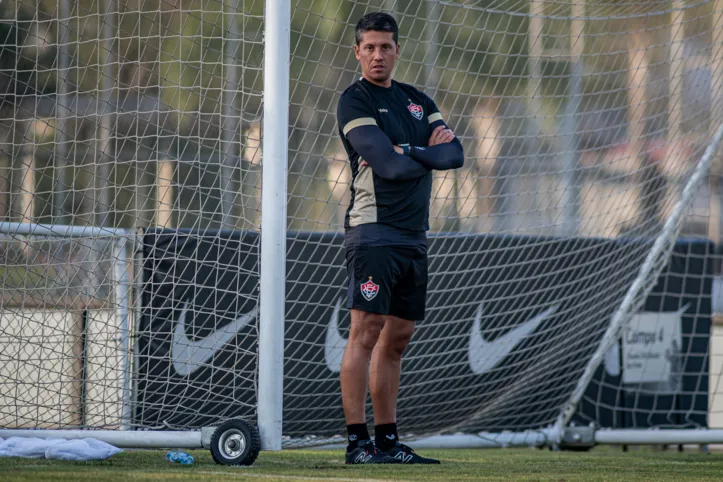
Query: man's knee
(397, 335)
(365, 329)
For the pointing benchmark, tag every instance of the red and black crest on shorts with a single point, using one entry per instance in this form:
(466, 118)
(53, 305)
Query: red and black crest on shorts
(415, 110)
(369, 289)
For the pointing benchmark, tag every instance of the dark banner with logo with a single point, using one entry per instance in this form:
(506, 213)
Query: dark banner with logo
(671, 339)
(196, 339)
(511, 322)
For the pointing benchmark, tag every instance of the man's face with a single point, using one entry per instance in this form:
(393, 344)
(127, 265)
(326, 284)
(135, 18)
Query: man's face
(377, 54)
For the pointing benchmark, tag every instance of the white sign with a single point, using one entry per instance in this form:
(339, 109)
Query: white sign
(650, 344)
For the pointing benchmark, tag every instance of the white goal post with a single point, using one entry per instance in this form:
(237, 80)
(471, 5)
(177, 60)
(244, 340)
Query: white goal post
(173, 192)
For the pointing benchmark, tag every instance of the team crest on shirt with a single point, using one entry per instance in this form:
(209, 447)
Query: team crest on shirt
(369, 289)
(415, 110)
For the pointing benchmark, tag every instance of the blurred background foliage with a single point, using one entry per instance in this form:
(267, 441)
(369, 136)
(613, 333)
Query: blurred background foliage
(96, 94)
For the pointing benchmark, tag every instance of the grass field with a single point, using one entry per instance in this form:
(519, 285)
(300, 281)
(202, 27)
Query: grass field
(308, 465)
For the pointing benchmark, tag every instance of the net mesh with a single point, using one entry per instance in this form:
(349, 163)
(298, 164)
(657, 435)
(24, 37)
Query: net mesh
(580, 121)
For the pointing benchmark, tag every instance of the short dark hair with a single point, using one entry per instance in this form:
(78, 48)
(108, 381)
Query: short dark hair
(377, 22)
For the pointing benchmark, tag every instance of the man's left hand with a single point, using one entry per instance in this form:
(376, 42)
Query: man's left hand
(441, 135)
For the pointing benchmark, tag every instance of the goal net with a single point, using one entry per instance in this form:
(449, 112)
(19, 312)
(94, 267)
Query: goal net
(574, 259)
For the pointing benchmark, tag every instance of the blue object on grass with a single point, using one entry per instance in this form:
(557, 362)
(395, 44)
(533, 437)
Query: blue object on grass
(180, 457)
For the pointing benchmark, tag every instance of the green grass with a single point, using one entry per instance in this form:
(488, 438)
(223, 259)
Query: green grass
(503, 464)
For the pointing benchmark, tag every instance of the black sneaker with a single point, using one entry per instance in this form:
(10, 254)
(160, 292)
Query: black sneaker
(369, 454)
(407, 456)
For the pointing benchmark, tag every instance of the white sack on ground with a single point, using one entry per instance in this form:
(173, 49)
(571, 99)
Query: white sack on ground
(57, 448)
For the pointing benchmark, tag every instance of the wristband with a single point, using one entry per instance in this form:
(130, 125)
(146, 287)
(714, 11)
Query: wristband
(406, 149)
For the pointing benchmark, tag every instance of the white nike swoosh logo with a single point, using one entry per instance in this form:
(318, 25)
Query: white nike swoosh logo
(485, 355)
(188, 356)
(335, 344)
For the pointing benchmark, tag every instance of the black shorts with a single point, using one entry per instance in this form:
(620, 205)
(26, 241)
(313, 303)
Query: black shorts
(389, 280)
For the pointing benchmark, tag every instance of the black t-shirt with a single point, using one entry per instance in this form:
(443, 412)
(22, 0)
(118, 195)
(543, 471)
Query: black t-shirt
(383, 211)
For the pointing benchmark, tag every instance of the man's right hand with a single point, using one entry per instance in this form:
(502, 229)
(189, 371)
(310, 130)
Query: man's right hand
(441, 135)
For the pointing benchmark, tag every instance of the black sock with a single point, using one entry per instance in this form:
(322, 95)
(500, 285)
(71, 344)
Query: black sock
(357, 435)
(386, 435)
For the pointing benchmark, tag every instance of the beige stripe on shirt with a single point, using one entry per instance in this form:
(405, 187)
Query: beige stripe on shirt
(362, 121)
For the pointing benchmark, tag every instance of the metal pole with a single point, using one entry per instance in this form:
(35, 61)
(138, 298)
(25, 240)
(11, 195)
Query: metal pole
(273, 221)
(430, 62)
(508, 185)
(5, 184)
(676, 138)
(715, 217)
(638, 69)
(658, 437)
(122, 296)
(26, 198)
(481, 440)
(32, 229)
(677, 71)
(571, 166)
(61, 111)
(101, 202)
(164, 194)
(137, 287)
(230, 121)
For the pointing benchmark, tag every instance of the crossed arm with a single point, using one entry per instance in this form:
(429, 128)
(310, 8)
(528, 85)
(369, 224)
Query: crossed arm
(389, 162)
(443, 152)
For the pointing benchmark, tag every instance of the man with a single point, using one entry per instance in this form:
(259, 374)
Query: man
(394, 136)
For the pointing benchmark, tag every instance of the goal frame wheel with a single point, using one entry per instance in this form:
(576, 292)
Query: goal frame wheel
(235, 442)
